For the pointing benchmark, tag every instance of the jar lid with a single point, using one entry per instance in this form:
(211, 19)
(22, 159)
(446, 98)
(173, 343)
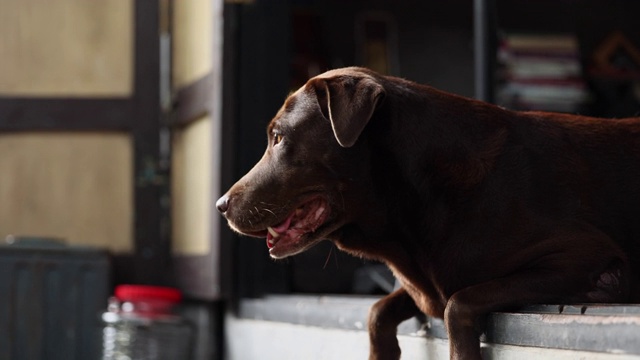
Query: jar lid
(146, 292)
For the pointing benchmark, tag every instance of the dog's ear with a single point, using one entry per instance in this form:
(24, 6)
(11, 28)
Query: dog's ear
(348, 102)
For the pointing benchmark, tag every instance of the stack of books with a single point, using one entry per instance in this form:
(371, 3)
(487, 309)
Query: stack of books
(540, 72)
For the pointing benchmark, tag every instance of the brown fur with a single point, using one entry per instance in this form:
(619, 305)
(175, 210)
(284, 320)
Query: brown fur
(474, 208)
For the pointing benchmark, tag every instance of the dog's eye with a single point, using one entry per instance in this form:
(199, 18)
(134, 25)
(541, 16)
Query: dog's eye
(277, 138)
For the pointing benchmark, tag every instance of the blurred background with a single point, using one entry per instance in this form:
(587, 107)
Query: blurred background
(122, 121)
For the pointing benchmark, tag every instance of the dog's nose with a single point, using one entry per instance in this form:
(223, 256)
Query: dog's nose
(223, 204)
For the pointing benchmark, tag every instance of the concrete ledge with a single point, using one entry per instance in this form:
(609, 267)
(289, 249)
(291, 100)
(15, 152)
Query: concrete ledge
(334, 327)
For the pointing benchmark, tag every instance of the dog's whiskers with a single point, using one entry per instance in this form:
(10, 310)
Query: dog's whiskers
(344, 206)
(328, 257)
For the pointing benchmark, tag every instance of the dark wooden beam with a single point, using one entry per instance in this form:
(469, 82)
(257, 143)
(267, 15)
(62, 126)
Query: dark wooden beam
(65, 114)
(193, 101)
(152, 250)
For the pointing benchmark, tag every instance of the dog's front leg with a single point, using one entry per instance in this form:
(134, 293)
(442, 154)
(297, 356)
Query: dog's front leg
(467, 307)
(384, 318)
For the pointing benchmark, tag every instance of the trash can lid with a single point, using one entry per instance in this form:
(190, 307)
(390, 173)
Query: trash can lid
(147, 292)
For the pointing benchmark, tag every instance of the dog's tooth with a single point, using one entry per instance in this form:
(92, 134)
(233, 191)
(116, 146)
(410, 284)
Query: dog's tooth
(272, 232)
(319, 212)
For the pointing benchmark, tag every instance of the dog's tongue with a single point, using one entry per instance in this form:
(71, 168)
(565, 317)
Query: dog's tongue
(284, 226)
(280, 228)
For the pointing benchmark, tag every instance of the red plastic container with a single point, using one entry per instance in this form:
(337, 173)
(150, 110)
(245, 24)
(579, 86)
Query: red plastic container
(140, 323)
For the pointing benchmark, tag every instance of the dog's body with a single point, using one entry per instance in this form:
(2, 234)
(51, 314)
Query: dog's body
(475, 208)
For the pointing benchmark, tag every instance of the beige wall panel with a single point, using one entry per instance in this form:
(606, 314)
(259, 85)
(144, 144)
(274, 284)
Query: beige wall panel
(66, 47)
(191, 188)
(193, 41)
(76, 186)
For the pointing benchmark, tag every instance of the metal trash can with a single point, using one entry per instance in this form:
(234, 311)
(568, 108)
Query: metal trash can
(140, 324)
(50, 294)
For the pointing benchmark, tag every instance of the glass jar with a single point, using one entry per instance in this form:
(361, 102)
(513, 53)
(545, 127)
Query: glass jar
(140, 324)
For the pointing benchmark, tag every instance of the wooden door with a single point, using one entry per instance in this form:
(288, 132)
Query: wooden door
(79, 125)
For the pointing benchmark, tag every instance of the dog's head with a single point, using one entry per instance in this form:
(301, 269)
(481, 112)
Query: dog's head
(295, 195)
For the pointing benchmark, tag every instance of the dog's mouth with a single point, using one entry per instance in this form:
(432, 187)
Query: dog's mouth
(297, 231)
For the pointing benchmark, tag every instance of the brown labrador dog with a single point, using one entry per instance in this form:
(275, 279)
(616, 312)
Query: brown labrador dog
(474, 208)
